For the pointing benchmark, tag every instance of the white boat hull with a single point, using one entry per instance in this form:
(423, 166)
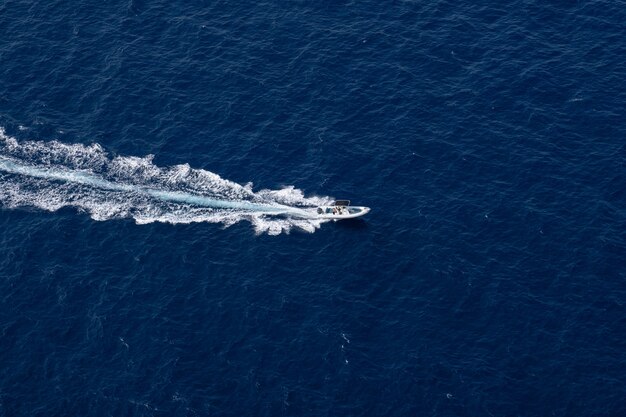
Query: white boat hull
(341, 213)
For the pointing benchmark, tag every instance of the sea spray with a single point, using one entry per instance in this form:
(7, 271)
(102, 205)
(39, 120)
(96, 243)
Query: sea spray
(52, 175)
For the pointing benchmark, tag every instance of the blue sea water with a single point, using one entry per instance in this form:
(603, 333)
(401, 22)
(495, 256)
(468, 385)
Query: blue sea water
(144, 146)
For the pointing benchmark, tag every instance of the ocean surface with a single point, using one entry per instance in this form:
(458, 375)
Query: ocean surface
(156, 158)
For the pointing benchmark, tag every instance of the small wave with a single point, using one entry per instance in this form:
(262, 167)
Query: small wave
(52, 175)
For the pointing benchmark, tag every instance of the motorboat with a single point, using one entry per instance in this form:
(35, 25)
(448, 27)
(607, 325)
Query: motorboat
(341, 209)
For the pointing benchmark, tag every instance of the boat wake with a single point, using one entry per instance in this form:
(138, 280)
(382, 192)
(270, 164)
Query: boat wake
(53, 175)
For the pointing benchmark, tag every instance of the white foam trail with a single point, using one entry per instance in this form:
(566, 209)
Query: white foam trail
(89, 179)
(52, 175)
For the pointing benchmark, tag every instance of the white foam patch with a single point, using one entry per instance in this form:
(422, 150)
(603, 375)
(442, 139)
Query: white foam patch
(52, 175)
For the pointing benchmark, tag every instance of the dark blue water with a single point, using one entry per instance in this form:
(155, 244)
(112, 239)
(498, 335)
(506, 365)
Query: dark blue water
(488, 139)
